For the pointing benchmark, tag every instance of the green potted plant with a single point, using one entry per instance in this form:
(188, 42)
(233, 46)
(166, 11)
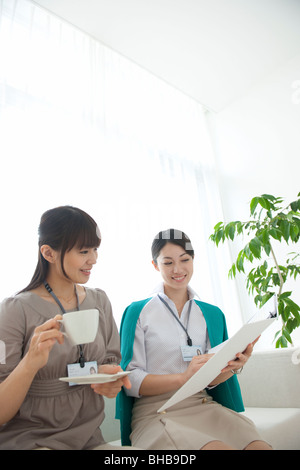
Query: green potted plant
(269, 224)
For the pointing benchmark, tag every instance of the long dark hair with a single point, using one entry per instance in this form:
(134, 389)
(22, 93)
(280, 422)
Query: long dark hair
(63, 228)
(176, 237)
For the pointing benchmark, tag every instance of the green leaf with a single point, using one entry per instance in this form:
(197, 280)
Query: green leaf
(281, 342)
(264, 268)
(296, 221)
(287, 335)
(255, 247)
(240, 261)
(232, 271)
(253, 205)
(230, 230)
(294, 232)
(267, 248)
(284, 295)
(292, 304)
(275, 234)
(219, 236)
(285, 229)
(286, 313)
(265, 203)
(295, 205)
(257, 299)
(269, 196)
(266, 297)
(264, 236)
(296, 317)
(217, 226)
(247, 253)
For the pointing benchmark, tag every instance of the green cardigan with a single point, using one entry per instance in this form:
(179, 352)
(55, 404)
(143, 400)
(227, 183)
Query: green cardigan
(227, 393)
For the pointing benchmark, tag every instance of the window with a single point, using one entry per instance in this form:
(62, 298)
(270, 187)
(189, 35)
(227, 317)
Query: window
(81, 125)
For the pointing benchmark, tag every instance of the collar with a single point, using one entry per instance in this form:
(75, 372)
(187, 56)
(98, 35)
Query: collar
(159, 289)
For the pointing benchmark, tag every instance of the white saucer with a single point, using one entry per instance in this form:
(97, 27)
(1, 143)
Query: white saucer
(95, 378)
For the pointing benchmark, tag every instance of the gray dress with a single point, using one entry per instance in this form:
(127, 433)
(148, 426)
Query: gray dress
(54, 414)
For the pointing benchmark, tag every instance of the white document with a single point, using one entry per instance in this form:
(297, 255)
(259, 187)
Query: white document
(224, 353)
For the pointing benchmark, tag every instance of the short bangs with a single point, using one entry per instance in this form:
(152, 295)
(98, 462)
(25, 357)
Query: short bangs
(82, 232)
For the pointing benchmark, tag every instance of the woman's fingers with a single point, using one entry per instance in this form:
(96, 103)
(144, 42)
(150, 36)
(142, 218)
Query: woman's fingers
(42, 341)
(111, 389)
(241, 358)
(126, 382)
(109, 369)
(48, 331)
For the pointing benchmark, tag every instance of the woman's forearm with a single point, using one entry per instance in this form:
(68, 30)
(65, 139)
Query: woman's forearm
(157, 384)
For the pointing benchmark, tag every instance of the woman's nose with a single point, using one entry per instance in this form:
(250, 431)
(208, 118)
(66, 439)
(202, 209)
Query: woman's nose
(93, 258)
(175, 268)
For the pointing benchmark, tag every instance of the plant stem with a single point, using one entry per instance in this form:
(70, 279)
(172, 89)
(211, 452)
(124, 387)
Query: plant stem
(278, 270)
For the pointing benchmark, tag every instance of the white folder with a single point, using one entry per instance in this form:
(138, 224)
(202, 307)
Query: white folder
(224, 353)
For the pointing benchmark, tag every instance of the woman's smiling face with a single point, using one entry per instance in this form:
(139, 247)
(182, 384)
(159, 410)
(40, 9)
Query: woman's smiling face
(175, 265)
(78, 263)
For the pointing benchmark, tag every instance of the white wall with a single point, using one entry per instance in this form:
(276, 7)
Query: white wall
(257, 146)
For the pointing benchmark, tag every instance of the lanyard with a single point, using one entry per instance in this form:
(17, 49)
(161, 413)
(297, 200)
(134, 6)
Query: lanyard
(81, 356)
(189, 340)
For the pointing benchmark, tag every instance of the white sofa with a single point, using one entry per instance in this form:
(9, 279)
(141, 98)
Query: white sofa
(270, 384)
(110, 427)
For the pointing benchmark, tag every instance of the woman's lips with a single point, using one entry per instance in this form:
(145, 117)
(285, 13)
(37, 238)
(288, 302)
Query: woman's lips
(86, 272)
(179, 278)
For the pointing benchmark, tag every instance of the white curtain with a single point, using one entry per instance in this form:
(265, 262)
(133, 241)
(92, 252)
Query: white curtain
(81, 125)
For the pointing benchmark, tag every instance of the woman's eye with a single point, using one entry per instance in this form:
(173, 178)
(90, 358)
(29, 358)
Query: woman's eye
(85, 252)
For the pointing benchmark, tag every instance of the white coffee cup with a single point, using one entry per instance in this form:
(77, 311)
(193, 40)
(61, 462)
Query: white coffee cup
(81, 326)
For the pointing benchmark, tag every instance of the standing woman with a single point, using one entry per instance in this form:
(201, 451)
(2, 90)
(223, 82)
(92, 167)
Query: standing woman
(161, 338)
(37, 409)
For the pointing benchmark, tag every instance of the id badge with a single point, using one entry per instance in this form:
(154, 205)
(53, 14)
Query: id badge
(75, 370)
(188, 352)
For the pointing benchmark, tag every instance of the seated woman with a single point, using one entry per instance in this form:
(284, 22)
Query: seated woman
(159, 336)
(37, 409)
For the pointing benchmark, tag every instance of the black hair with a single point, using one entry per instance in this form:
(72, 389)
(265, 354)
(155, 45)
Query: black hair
(63, 228)
(176, 237)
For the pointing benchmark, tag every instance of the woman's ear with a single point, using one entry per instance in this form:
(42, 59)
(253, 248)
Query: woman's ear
(155, 265)
(48, 253)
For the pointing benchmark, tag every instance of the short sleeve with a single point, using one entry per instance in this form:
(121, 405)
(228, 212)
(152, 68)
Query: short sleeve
(12, 335)
(137, 365)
